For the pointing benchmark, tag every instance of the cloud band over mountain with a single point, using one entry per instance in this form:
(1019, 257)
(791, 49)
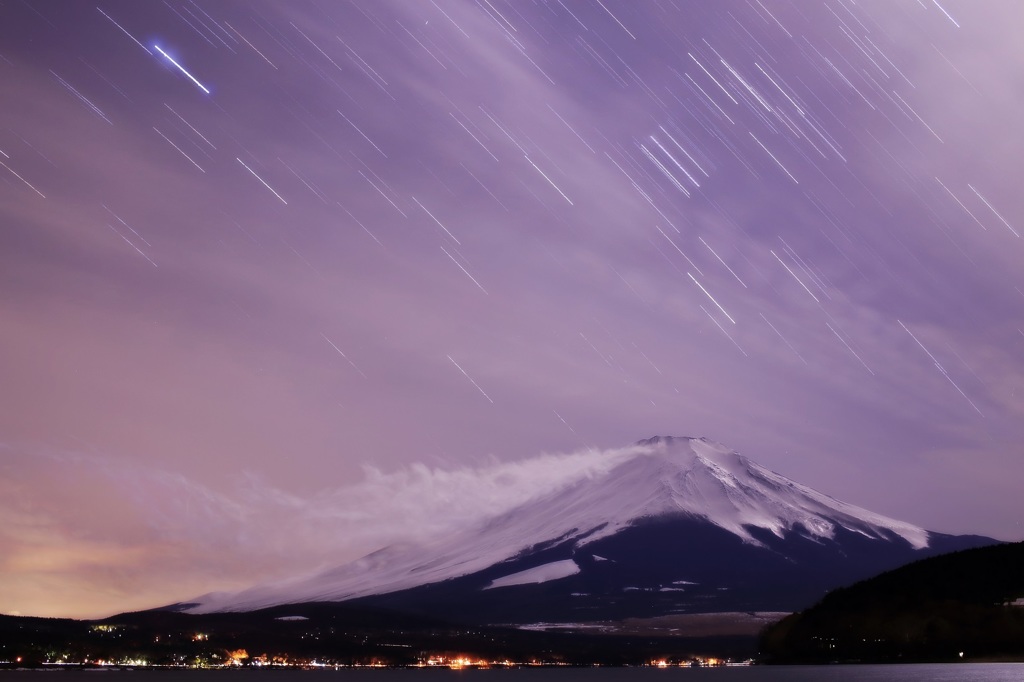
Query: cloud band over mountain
(131, 528)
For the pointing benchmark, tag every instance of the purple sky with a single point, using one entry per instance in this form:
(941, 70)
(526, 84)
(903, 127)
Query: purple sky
(401, 249)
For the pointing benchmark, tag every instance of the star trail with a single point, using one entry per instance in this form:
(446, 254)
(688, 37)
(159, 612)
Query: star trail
(273, 243)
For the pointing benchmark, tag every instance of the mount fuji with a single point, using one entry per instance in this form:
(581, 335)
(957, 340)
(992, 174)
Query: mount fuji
(679, 526)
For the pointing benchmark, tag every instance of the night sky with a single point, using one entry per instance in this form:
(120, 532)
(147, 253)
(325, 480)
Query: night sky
(281, 282)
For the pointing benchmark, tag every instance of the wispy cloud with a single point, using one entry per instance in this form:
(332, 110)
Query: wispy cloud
(137, 537)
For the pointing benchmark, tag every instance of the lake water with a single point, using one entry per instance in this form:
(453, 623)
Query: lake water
(950, 672)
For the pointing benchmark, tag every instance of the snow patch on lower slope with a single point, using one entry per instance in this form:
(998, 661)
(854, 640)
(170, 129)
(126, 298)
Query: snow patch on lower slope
(538, 574)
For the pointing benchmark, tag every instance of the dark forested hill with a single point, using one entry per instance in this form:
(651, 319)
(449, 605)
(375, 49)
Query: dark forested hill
(967, 604)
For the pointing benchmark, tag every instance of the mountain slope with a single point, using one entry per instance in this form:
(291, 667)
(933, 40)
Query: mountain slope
(681, 524)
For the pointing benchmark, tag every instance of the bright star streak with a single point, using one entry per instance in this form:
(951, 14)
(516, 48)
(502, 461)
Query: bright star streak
(784, 94)
(550, 181)
(124, 31)
(938, 366)
(712, 299)
(354, 366)
(182, 69)
(784, 339)
(439, 223)
(714, 79)
(563, 421)
(722, 261)
(381, 192)
(719, 325)
(594, 348)
(616, 19)
(794, 275)
(261, 180)
(250, 44)
(179, 149)
(22, 179)
(129, 242)
(992, 208)
(470, 379)
(649, 361)
(773, 17)
(573, 132)
(190, 126)
(361, 133)
(82, 98)
(121, 220)
(774, 158)
(676, 143)
(665, 171)
(678, 165)
(710, 99)
(918, 116)
(464, 270)
(948, 16)
(852, 351)
(477, 139)
(679, 250)
(449, 18)
(961, 204)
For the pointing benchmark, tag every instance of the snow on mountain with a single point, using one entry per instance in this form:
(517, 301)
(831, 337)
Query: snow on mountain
(663, 477)
(538, 574)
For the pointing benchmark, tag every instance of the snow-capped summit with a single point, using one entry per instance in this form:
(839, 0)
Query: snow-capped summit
(711, 481)
(675, 524)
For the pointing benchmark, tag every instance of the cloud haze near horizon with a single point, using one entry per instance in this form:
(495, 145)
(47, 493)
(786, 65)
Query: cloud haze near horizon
(114, 532)
(459, 233)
